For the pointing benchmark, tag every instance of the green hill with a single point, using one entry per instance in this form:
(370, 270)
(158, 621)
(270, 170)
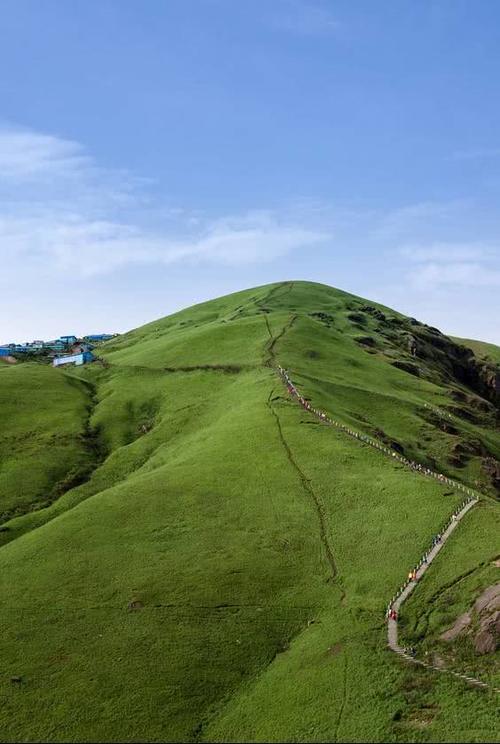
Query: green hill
(220, 568)
(45, 446)
(482, 349)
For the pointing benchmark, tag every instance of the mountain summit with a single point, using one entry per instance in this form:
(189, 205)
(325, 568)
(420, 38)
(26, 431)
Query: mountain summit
(189, 555)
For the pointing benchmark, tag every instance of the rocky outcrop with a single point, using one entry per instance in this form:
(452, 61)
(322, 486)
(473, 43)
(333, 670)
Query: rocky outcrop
(458, 362)
(325, 318)
(461, 623)
(412, 369)
(491, 467)
(442, 355)
(366, 341)
(357, 318)
(481, 624)
(374, 312)
(388, 441)
(486, 640)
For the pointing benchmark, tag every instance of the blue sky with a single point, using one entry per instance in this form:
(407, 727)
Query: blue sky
(156, 154)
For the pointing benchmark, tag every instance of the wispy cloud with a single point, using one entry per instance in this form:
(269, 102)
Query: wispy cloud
(463, 264)
(446, 252)
(27, 155)
(424, 219)
(465, 274)
(62, 213)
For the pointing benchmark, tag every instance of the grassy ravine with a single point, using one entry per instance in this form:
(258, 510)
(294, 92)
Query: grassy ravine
(46, 444)
(223, 574)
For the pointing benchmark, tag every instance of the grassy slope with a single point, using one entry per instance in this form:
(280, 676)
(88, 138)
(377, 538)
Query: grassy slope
(482, 349)
(451, 588)
(43, 445)
(206, 512)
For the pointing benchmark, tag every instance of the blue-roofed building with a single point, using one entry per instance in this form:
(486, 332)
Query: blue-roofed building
(68, 340)
(5, 351)
(54, 345)
(99, 337)
(76, 359)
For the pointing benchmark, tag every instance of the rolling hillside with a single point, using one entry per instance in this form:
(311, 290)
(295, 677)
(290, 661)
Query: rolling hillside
(45, 443)
(187, 555)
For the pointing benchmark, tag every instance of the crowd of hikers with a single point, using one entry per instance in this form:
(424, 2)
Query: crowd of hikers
(391, 613)
(418, 467)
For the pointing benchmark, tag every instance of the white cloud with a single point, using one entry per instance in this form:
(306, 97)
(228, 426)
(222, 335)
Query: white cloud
(26, 155)
(465, 274)
(56, 243)
(77, 223)
(461, 264)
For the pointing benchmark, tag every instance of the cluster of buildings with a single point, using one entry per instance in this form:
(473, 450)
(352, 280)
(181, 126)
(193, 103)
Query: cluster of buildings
(64, 350)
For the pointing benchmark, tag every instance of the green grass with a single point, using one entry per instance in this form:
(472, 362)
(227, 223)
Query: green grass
(450, 589)
(45, 447)
(262, 548)
(481, 349)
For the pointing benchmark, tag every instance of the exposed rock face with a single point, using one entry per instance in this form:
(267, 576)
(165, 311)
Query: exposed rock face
(442, 423)
(489, 599)
(482, 622)
(461, 623)
(458, 361)
(412, 369)
(423, 351)
(439, 353)
(391, 443)
(375, 312)
(366, 341)
(442, 354)
(492, 469)
(358, 318)
(486, 641)
(324, 317)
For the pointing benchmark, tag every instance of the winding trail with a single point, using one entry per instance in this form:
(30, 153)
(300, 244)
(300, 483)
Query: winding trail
(409, 586)
(392, 624)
